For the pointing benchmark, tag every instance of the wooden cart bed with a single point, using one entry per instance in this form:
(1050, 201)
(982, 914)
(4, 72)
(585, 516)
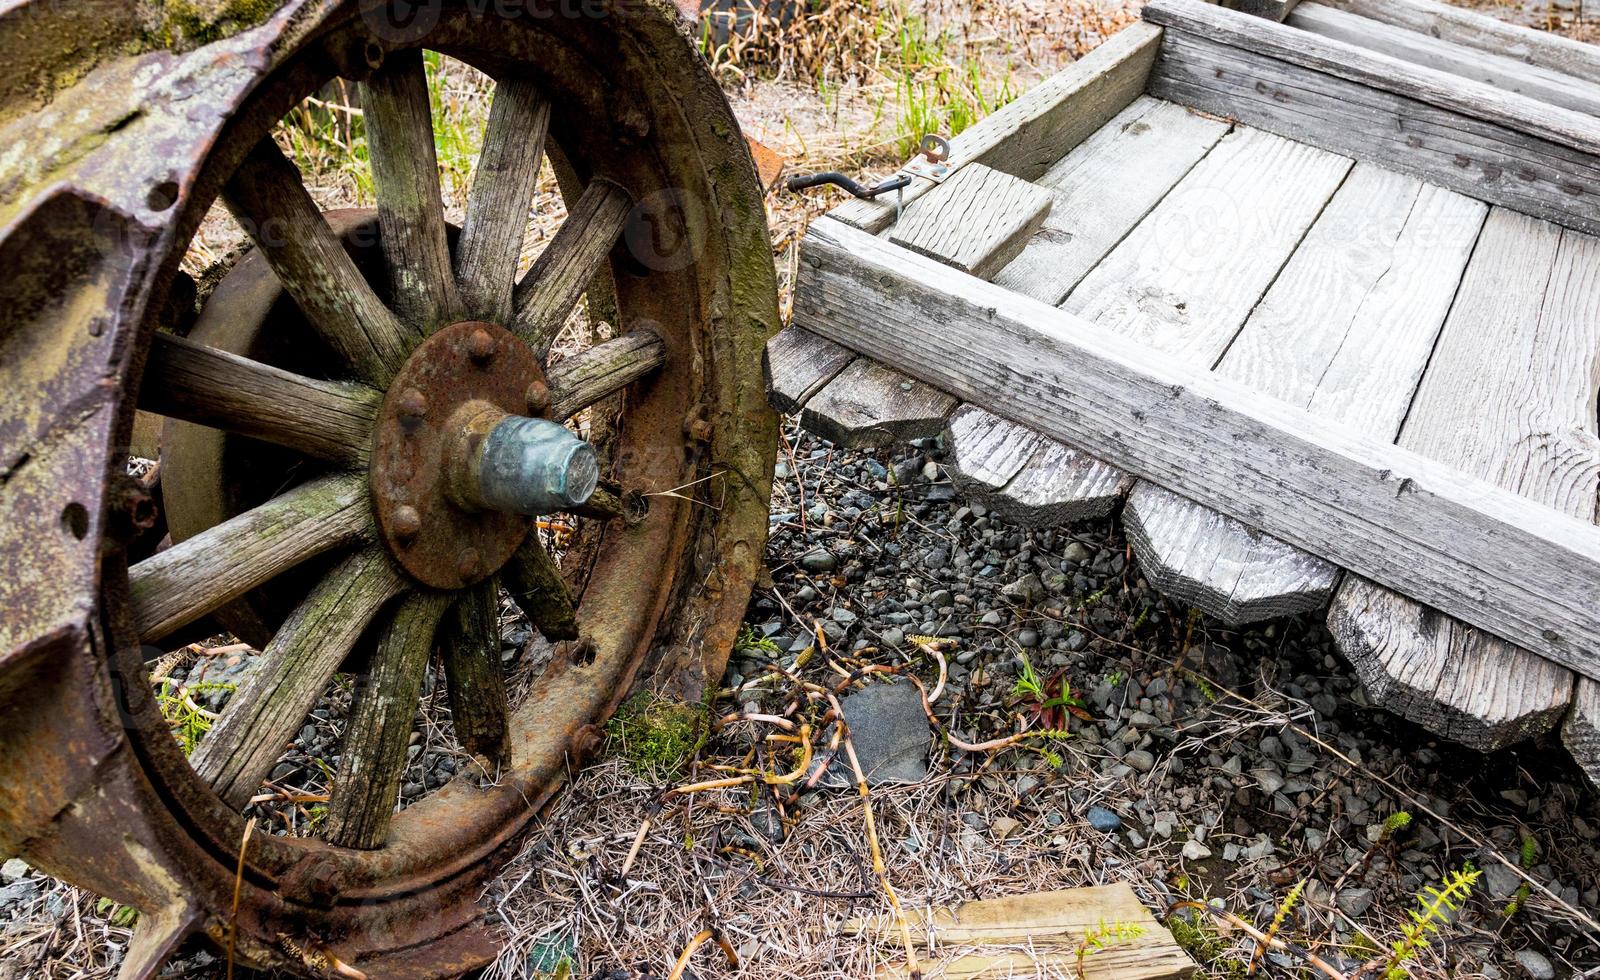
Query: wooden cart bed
(1320, 301)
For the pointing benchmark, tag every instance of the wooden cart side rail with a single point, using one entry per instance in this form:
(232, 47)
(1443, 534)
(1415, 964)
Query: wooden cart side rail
(1026, 136)
(1481, 32)
(1466, 136)
(1505, 564)
(1386, 73)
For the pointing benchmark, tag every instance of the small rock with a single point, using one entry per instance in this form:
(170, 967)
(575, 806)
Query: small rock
(1268, 779)
(1026, 590)
(819, 560)
(1195, 851)
(13, 869)
(1535, 965)
(893, 637)
(1501, 881)
(1004, 827)
(1354, 901)
(1103, 820)
(1028, 638)
(1140, 760)
(935, 559)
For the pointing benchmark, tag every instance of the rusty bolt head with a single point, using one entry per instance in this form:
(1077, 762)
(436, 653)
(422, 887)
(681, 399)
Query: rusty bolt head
(538, 397)
(698, 429)
(413, 406)
(407, 523)
(586, 743)
(469, 564)
(481, 346)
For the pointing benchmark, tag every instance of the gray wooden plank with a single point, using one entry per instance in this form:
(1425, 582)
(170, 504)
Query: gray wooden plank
(1187, 276)
(1025, 477)
(1028, 134)
(1345, 332)
(1215, 563)
(1496, 146)
(1581, 731)
(870, 405)
(1277, 10)
(1509, 397)
(1104, 187)
(1507, 74)
(977, 221)
(1484, 33)
(1482, 554)
(798, 364)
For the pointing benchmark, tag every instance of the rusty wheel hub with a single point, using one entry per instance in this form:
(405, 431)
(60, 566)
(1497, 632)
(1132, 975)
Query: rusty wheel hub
(442, 405)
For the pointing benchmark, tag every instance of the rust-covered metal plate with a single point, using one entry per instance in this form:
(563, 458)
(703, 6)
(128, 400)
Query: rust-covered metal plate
(463, 377)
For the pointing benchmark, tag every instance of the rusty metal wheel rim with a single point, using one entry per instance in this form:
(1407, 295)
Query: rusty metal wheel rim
(392, 905)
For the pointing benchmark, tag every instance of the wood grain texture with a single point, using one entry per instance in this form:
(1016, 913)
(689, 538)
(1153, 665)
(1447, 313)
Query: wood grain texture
(502, 191)
(1463, 149)
(1050, 923)
(268, 200)
(604, 369)
(869, 405)
(977, 221)
(1103, 188)
(1185, 279)
(1509, 397)
(798, 364)
(405, 179)
(1507, 74)
(328, 420)
(1581, 731)
(176, 587)
(1029, 134)
(1485, 555)
(469, 646)
(264, 714)
(1345, 332)
(577, 253)
(1217, 564)
(533, 580)
(372, 761)
(1484, 33)
(1025, 477)
(1336, 59)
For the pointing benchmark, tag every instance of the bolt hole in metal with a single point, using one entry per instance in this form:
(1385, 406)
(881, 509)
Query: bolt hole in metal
(162, 196)
(75, 518)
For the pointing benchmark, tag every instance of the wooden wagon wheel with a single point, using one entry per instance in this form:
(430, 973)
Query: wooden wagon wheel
(365, 424)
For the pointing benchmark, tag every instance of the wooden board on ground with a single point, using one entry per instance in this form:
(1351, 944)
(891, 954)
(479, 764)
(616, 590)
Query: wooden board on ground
(1028, 478)
(1517, 568)
(1104, 187)
(1484, 33)
(977, 221)
(1497, 146)
(799, 364)
(868, 405)
(1495, 69)
(1509, 397)
(1043, 931)
(1345, 332)
(1029, 134)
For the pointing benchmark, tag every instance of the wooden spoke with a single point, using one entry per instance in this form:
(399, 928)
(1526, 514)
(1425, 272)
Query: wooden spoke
(270, 706)
(324, 419)
(546, 295)
(536, 586)
(470, 646)
(183, 583)
(267, 198)
(362, 800)
(604, 369)
(405, 175)
(502, 189)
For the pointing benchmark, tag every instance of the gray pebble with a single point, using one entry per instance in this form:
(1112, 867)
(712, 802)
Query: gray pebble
(1535, 965)
(1103, 820)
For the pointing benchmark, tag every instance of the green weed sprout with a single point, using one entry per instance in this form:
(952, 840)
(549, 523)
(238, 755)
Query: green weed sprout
(1434, 906)
(1104, 937)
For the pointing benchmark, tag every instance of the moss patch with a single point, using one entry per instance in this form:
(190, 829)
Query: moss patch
(658, 736)
(188, 24)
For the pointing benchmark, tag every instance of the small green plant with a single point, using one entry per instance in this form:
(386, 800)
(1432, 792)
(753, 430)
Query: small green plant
(1115, 678)
(121, 916)
(1278, 919)
(1206, 946)
(750, 642)
(1028, 683)
(658, 736)
(1529, 857)
(188, 720)
(1104, 937)
(1434, 908)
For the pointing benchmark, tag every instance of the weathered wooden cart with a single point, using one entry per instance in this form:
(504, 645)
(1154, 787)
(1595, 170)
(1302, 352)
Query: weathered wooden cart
(1316, 303)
